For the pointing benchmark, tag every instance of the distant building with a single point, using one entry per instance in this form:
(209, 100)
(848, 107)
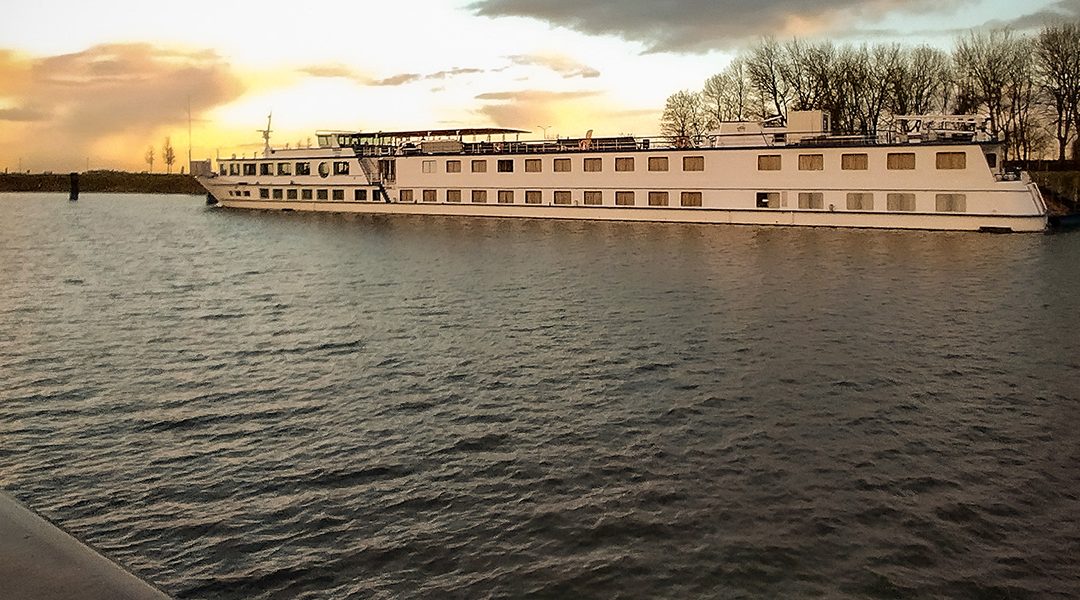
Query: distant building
(200, 168)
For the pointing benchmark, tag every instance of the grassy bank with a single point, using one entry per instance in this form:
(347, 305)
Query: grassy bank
(1061, 189)
(101, 181)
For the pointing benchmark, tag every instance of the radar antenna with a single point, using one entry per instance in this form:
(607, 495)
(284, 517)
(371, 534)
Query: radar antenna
(266, 134)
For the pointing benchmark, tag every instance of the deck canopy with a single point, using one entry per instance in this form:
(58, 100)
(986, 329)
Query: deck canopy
(347, 138)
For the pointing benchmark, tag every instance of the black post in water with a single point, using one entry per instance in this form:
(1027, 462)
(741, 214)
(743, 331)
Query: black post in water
(74, 187)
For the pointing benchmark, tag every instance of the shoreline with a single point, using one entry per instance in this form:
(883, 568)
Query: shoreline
(102, 182)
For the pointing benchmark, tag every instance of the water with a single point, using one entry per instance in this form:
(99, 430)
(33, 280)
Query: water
(254, 405)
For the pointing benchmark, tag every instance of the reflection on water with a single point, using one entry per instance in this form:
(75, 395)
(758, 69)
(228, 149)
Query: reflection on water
(257, 405)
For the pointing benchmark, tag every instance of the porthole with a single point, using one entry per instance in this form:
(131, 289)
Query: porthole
(324, 170)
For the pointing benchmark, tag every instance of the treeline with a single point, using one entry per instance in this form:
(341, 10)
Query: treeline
(1026, 86)
(101, 181)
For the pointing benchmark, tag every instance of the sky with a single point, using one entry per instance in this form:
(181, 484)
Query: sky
(94, 85)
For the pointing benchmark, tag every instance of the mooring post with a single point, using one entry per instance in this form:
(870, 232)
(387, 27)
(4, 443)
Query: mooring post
(74, 187)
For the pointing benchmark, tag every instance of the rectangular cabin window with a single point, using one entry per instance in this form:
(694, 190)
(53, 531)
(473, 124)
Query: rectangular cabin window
(991, 160)
(428, 195)
(264, 193)
(453, 196)
(853, 162)
(278, 194)
(303, 168)
(623, 165)
(860, 201)
(290, 194)
(453, 166)
(360, 195)
(506, 197)
(900, 202)
(264, 168)
(693, 163)
(221, 170)
(322, 194)
(658, 163)
(234, 169)
(592, 165)
(505, 165)
(427, 166)
(532, 165)
(562, 165)
(951, 202)
(305, 194)
(479, 166)
(658, 198)
(561, 197)
(811, 200)
(690, 199)
(249, 168)
(951, 160)
(533, 197)
(811, 162)
(594, 198)
(479, 196)
(768, 162)
(768, 199)
(900, 161)
(406, 196)
(624, 198)
(338, 195)
(284, 168)
(341, 167)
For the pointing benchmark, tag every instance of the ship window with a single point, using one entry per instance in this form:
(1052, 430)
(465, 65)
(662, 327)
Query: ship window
(811, 162)
(900, 202)
(453, 166)
(338, 195)
(811, 200)
(264, 168)
(234, 169)
(290, 194)
(592, 165)
(322, 195)
(360, 195)
(264, 193)
(693, 163)
(562, 196)
(594, 198)
(479, 166)
(505, 165)
(506, 197)
(562, 165)
(278, 194)
(991, 160)
(222, 170)
(532, 165)
(453, 195)
(284, 169)
(768, 162)
(428, 166)
(952, 203)
(305, 194)
(901, 161)
(479, 196)
(429, 195)
(768, 199)
(624, 198)
(853, 162)
(658, 198)
(658, 163)
(860, 201)
(406, 196)
(341, 167)
(247, 193)
(624, 164)
(249, 168)
(303, 168)
(533, 197)
(324, 170)
(951, 160)
(690, 199)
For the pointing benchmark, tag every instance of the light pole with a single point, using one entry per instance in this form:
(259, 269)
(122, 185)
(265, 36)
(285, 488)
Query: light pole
(545, 128)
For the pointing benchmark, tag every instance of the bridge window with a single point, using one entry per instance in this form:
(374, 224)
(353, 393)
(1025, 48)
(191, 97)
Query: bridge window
(900, 202)
(951, 203)
(768, 162)
(860, 201)
(811, 162)
(951, 160)
(690, 199)
(853, 162)
(658, 163)
(693, 163)
(900, 161)
(658, 198)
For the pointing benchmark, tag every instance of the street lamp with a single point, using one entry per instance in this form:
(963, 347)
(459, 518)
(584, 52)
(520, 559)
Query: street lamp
(545, 128)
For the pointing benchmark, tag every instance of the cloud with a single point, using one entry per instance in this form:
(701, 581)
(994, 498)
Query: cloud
(520, 109)
(407, 78)
(1062, 10)
(563, 65)
(401, 79)
(330, 71)
(21, 113)
(702, 25)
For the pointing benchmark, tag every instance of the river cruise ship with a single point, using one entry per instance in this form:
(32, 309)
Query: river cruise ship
(939, 173)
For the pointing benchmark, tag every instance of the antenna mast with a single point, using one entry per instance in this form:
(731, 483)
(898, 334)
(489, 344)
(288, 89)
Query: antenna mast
(266, 134)
(189, 133)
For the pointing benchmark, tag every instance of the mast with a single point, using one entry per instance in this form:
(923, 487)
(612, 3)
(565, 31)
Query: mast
(266, 135)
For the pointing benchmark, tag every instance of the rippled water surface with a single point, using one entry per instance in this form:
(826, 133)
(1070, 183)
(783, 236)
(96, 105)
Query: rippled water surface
(257, 405)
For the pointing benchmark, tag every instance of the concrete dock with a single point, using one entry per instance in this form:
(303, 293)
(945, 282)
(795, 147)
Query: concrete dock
(39, 561)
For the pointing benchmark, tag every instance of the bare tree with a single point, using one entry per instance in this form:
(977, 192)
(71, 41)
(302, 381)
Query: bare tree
(725, 95)
(168, 155)
(923, 84)
(684, 116)
(1057, 52)
(149, 157)
(983, 61)
(764, 68)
